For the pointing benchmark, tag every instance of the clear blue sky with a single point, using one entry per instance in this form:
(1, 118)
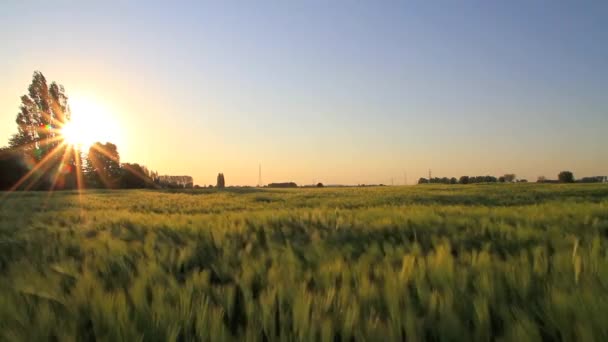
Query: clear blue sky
(347, 92)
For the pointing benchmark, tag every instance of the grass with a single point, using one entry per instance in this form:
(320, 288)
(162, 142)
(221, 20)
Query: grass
(480, 262)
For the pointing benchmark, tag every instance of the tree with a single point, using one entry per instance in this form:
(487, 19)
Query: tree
(490, 179)
(283, 185)
(103, 166)
(11, 168)
(43, 111)
(422, 180)
(464, 180)
(596, 179)
(565, 177)
(320, 185)
(541, 179)
(510, 177)
(453, 180)
(135, 176)
(221, 183)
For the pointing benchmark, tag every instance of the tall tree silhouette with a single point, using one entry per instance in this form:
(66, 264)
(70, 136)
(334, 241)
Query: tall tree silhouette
(43, 111)
(221, 182)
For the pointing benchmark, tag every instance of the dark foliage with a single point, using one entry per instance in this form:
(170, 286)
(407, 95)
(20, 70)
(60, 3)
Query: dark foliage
(283, 185)
(135, 176)
(103, 166)
(221, 182)
(510, 177)
(596, 179)
(469, 180)
(11, 168)
(566, 177)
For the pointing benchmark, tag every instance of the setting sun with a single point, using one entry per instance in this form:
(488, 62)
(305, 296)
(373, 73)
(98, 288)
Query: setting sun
(90, 122)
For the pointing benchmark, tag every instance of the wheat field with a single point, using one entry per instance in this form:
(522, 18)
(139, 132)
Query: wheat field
(512, 262)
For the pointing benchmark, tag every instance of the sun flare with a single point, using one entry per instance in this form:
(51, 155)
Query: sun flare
(90, 122)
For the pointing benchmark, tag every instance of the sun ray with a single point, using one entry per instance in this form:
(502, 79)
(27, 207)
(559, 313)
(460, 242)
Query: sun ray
(139, 175)
(97, 165)
(126, 167)
(58, 172)
(44, 142)
(35, 168)
(44, 170)
(79, 180)
(59, 144)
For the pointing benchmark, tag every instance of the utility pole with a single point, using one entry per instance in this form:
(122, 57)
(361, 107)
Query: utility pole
(429, 176)
(260, 176)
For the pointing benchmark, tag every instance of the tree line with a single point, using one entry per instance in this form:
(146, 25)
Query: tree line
(562, 177)
(38, 158)
(286, 185)
(507, 178)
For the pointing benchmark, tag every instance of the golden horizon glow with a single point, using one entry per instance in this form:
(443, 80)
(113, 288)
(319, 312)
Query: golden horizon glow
(68, 152)
(90, 122)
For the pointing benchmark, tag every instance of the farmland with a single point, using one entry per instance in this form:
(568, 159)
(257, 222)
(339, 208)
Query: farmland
(481, 262)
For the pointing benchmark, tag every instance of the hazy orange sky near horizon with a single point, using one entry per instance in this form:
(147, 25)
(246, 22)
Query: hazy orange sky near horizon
(334, 94)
